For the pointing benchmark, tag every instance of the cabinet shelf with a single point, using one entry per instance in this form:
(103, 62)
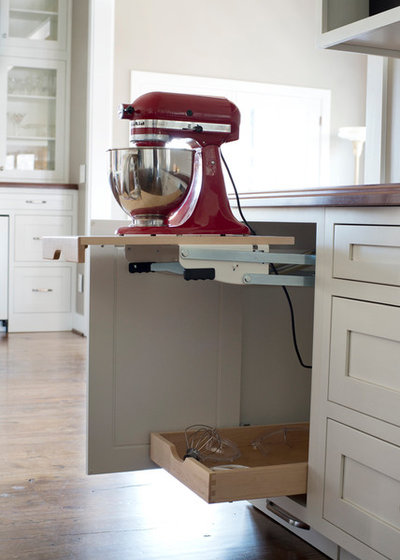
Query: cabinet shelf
(27, 97)
(31, 139)
(376, 34)
(27, 12)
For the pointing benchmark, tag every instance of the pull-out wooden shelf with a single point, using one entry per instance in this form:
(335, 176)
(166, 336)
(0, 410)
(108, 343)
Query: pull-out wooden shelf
(72, 248)
(282, 471)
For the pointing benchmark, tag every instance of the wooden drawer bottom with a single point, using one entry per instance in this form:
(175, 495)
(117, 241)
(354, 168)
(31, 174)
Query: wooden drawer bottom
(281, 470)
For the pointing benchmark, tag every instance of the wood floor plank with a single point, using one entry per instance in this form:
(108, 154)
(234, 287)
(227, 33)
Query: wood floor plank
(51, 510)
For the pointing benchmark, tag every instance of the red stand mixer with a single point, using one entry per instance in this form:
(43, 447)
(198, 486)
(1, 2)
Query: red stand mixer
(170, 180)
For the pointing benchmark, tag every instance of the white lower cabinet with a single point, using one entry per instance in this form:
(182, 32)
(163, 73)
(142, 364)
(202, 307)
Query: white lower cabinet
(40, 293)
(355, 496)
(165, 353)
(362, 487)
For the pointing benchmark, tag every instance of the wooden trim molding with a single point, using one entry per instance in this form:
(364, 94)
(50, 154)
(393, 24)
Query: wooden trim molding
(352, 195)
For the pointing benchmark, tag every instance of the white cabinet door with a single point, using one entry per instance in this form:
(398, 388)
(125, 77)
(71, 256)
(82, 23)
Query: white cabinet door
(3, 268)
(34, 24)
(362, 488)
(164, 353)
(364, 372)
(32, 118)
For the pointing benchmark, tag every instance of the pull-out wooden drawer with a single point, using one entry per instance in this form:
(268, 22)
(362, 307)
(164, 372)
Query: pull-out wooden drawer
(367, 253)
(280, 470)
(364, 360)
(362, 488)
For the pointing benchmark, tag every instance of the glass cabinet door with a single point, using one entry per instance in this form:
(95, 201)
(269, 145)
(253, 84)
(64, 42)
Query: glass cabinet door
(34, 119)
(34, 23)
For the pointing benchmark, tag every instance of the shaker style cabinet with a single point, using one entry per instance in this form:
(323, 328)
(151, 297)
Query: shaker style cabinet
(356, 394)
(34, 24)
(364, 26)
(165, 353)
(32, 124)
(40, 293)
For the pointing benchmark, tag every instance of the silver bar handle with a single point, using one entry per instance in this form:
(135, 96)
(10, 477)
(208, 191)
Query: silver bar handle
(286, 516)
(36, 238)
(42, 290)
(36, 201)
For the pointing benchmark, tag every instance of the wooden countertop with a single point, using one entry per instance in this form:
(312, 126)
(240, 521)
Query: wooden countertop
(9, 185)
(352, 195)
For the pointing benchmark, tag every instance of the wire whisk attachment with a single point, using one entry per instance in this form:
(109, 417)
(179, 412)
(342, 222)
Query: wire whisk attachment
(206, 443)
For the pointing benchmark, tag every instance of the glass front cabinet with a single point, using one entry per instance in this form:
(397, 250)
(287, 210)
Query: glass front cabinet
(32, 126)
(33, 24)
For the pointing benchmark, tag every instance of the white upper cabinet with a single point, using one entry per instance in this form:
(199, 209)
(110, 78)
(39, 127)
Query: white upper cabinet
(364, 26)
(32, 124)
(34, 24)
(34, 68)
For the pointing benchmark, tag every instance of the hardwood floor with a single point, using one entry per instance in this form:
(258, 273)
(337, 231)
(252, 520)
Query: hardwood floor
(50, 509)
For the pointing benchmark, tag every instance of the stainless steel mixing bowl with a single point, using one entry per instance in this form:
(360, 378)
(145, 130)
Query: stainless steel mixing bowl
(149, 183)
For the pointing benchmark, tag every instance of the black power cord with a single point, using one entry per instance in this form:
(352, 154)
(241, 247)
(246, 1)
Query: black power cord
(294, 337)
(292, 318)
(237, 197)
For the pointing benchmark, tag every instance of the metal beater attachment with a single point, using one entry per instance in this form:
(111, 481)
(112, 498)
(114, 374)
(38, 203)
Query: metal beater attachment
(287, 436)
(204, 443)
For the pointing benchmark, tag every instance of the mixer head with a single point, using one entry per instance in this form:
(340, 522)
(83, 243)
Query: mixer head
(158, 118)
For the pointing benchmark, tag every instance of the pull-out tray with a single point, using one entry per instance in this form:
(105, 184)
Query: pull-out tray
(279, 470)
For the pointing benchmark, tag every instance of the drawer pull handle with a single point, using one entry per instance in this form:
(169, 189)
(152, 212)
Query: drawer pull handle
(42, 290)
(36, 238)
(286, 516)
(36, 201)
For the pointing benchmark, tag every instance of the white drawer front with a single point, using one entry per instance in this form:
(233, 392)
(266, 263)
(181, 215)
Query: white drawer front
(29, 229)
(36, 201)
(364, 370)
(367, 253)
(42, 290)
(362, 488)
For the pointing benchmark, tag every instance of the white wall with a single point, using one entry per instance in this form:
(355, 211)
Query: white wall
(272, 41)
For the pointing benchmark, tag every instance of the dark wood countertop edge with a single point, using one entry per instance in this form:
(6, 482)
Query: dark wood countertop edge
(352, 195)
(67, 186)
